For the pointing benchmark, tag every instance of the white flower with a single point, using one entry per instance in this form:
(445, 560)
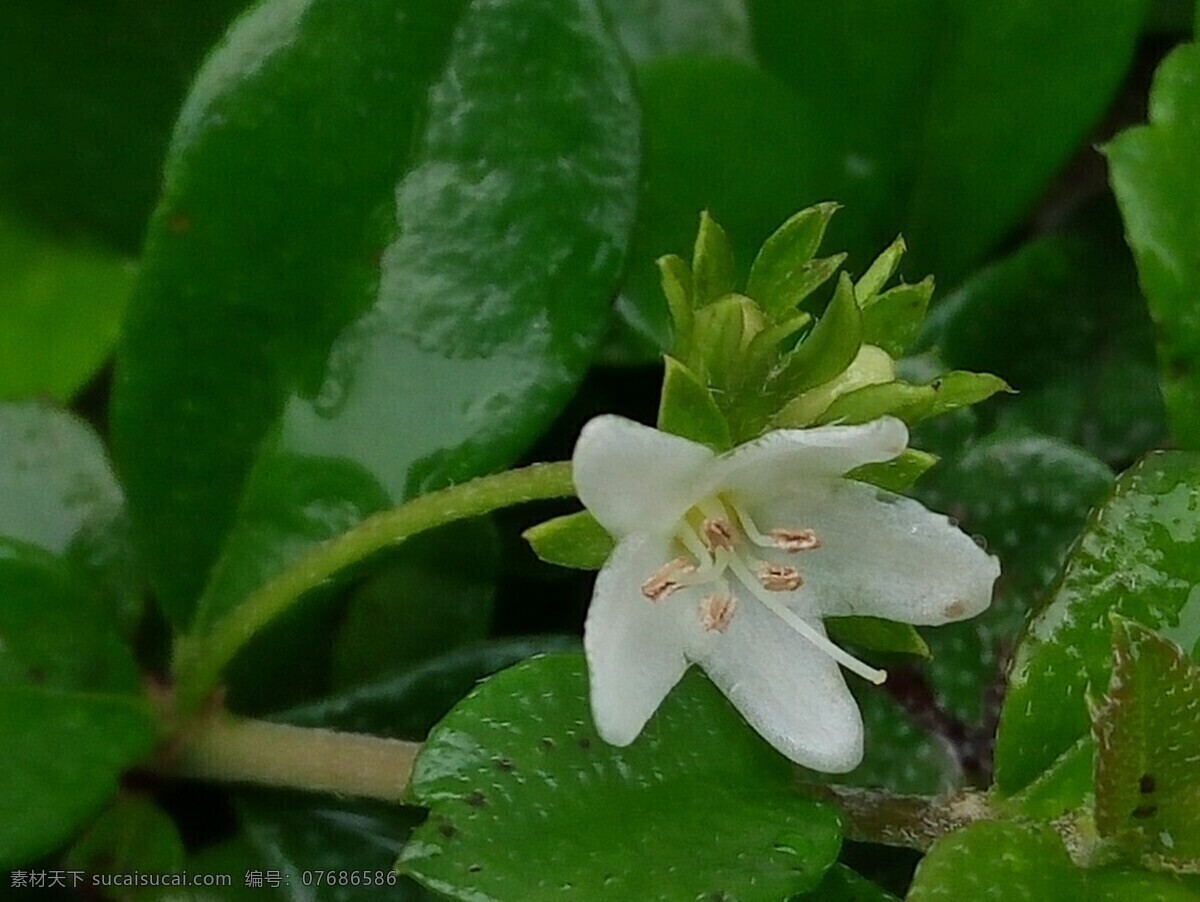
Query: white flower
(732, 561)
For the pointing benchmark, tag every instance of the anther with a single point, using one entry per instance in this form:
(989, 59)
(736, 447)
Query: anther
(779, 578)
(665, 580)
(716, 612)
(793, 540)
(718, 534)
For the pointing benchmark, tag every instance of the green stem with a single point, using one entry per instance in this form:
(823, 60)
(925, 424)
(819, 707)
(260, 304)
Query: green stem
(200, 658)
(235, 750)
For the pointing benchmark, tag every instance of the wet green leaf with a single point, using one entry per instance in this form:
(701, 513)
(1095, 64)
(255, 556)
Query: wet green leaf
(1028, 496)
(54, 477)
(63, 753)
(60, 495)
(373, 256)
(687, 408)
(1147, 734)
(697, 805)
(1139, 557)
(1157, 184)
(649, 29)
(60, 307)
(907, 95)
(574, 540)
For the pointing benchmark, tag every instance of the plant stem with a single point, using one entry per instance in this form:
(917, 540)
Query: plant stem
(915, 822)
(235, 750)
(201, 657)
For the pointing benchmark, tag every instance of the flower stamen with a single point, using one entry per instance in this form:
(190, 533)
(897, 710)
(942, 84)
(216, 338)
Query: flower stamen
(779, 577)
(718, 533)
(794, 540)
(666, 579)
(784, 538)
(716, 612)
(847, 660)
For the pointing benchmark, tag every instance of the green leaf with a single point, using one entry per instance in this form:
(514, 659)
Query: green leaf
(60, 494)
(63, 753)
(712, 263)
(435, 592)
(913, 403)
(912, 121)
(687, 408)
(373, 256)
(844, 885)
(780, 276)
(54, 478)
(1028, 496)
(1157, 184)
(697, 805)
(54, 630)
(897, 474)
(1147, 734)
(1063, 322)
(133, 835)
(892, 320)
(1062, 787)
(89, 95)
(60, 306)
(699, 119)
(351, 844)
(1028, 862)
(876, 634)
(294, 834)
(823, 354)
(574, 540)
(899, 755)
(1140, 558)
(649, 29)
(879, 273)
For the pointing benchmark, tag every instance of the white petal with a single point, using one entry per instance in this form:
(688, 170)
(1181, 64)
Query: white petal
(634, 478)
(635, 647)
(789, 691)
(789, 456)
(881, 554)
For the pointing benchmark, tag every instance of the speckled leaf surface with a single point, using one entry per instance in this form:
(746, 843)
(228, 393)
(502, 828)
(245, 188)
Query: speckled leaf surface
(1019, 863)
(1147, 733)
(1139, 557)
(1028, 497)
(648, 29)
(375, 269)
(698, 805)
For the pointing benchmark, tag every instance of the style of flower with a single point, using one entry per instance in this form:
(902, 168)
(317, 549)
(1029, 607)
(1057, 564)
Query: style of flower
(732, 561)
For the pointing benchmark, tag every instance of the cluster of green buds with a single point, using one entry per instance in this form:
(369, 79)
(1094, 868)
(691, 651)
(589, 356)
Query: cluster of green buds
(746, 362)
